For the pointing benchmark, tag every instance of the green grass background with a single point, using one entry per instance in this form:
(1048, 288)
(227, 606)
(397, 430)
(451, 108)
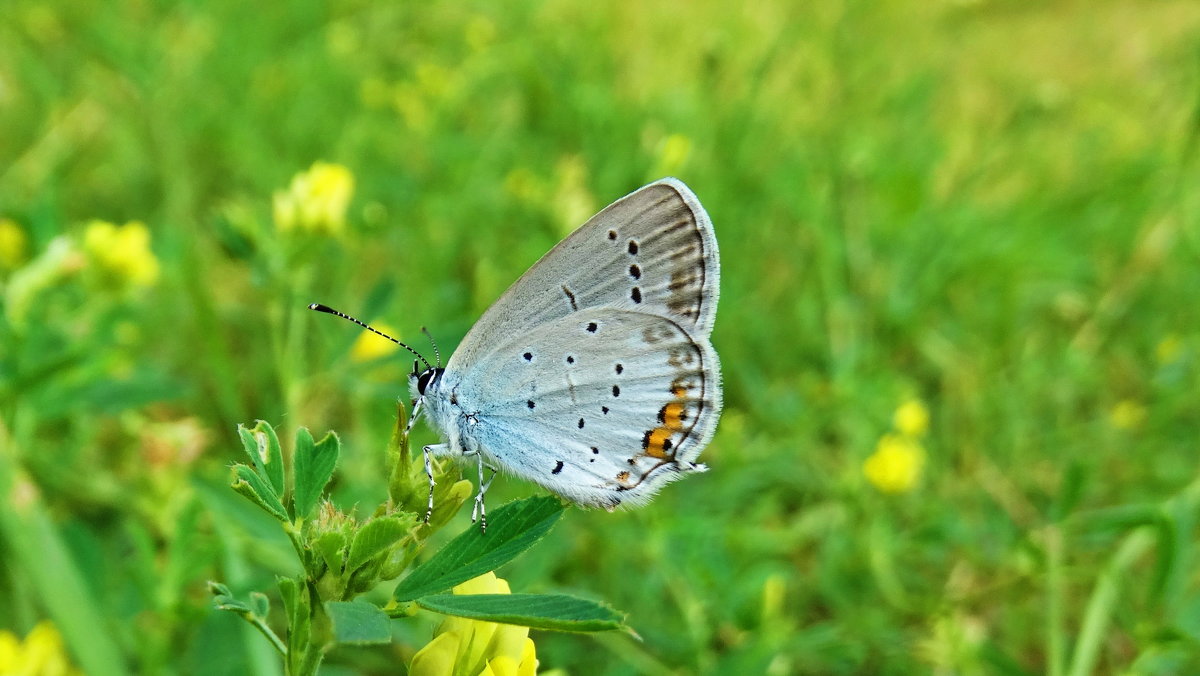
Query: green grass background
(987, 204)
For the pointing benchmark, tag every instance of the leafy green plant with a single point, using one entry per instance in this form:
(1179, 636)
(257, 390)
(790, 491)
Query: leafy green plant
(343, 557)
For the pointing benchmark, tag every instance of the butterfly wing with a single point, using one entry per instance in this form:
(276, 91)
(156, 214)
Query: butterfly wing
(652, 251)
(602, 406)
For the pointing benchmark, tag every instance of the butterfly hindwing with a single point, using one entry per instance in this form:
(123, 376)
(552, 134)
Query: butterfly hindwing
(601, 406)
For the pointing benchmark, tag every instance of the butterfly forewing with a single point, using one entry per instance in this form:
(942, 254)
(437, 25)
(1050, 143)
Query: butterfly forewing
(601, 406)
(652, 251)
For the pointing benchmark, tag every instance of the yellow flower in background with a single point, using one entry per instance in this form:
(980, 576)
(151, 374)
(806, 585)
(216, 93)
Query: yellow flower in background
(1168, 349)
(41, 653)
(1127, 415)
(13, 244)
(911, 418)
(316, 201)
(462, 646)
(896, 464)
(371, 346)
(121, 253)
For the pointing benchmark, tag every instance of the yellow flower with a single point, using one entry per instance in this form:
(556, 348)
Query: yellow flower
(13, 244)
(1169, 349)
(371, 346)
(1127, 414)
(41, 654)
(316, 201)
(475, 648)
(121, 254)
(911, 418)
(896, 464)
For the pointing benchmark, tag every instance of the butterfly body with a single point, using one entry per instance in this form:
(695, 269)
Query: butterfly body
(593, 374)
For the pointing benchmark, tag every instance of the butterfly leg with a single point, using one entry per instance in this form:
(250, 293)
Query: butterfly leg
(480, 510)
(416, 413)
(428, 452)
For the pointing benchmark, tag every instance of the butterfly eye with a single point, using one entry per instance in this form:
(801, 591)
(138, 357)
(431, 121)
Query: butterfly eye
(427, 377)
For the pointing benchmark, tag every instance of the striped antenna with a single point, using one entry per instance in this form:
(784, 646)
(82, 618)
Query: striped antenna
(328, 310)
(437, 355)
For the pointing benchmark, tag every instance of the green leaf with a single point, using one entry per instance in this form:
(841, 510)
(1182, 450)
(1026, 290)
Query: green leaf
(296, 607)
(218, 589)
(314, 464)
(1121, 517)
(376, 536)
(332, 547)
(248, 483)
(262, 446)
(260, 604)
(225, 600)
(358, 622)
(515, 528)
(540, 611)
(250, 445)
(290, 595)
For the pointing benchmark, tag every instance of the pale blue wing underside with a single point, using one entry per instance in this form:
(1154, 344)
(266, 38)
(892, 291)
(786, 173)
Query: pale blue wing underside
(593, 374)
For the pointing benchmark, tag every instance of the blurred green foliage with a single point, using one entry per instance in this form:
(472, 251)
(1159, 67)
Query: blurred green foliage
(987, 206)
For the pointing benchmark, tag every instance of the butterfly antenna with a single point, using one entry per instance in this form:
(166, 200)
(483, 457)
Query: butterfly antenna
(328, 310)
(437, 355)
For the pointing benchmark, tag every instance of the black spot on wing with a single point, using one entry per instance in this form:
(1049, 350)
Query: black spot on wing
(636, 294)
(528, 356)
(635, 271)
(557, 467)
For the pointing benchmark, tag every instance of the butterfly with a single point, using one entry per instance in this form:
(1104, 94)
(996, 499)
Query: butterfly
(593, 375)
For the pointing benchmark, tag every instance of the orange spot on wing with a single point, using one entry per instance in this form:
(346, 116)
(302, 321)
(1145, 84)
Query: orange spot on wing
(673, 416)
(656, 442)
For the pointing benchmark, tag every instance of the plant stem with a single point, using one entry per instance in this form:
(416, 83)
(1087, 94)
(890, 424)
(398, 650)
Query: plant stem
(1055, 592)
(262, 627)
(1104, 597)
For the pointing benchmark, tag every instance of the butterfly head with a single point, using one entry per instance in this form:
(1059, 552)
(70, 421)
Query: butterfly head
(420, 381)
